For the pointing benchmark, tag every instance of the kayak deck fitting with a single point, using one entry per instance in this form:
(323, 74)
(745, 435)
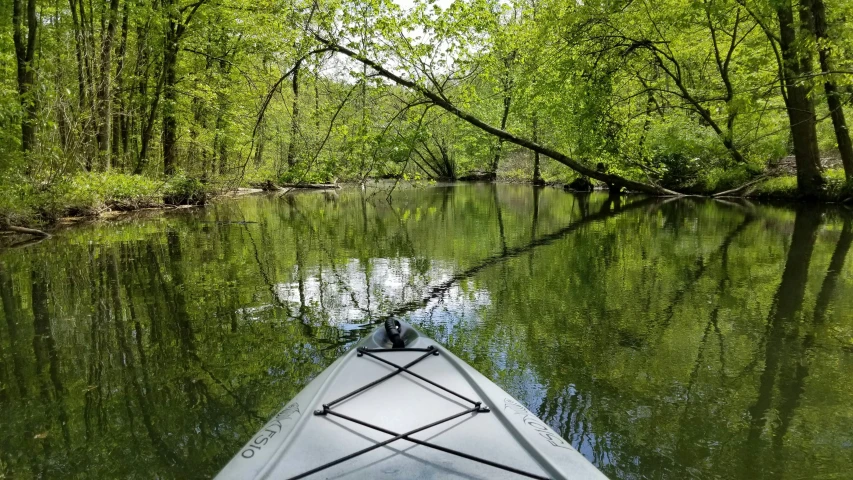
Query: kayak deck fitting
(469, 427)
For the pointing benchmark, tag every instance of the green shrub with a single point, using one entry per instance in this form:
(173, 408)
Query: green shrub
(184, 190)
(299, 174)
(16, 201)
(784, 186)
(82, 194)
(837, 187)
(91, 193)
(718, 179)
(678, 169)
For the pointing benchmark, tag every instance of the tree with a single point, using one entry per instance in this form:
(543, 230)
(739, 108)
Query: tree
(24, 39)
(817, 10)
(179, 18)
(800, 108)
(440, 100)
(104, 87)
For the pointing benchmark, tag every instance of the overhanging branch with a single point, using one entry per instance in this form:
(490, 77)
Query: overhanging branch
(440, 101)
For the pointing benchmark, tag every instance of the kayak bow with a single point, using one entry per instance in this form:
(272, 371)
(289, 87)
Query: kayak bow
(401, 406)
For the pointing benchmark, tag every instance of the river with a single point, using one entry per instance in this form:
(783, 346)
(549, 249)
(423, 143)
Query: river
(664, 338)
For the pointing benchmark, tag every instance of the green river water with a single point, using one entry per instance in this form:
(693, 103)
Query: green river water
(663, 338)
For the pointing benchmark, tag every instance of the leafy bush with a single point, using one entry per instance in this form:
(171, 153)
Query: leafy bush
(321, 173)
(678, 169)
(785, 186)
(184, 190)
(719, 180)
(91, 193)
(682, 136)
(16, 200)
(82, 194)
(837, 186)
(836, 189)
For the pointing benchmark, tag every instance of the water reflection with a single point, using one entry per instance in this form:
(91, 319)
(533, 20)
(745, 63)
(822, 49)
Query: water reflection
(664, 339)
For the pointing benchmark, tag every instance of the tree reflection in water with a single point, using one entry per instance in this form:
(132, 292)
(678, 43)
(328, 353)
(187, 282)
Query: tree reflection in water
(664, 339)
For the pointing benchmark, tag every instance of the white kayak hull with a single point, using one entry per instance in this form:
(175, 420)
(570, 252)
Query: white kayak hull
(512, 441)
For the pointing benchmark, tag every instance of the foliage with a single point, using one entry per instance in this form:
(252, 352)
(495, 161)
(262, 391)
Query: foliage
(784, 186)
(837, 187)
(90, 193)
(672, 92)
(184, 190)
(93, 193)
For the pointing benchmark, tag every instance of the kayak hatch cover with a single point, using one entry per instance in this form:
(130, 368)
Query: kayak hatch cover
(401, 406)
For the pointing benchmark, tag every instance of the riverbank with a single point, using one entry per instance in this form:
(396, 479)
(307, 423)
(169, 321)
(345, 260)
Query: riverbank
(36, 209)
(33, 211)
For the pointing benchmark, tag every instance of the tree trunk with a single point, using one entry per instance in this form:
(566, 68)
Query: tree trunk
(25, 48)
(799, 107)
(139, 99)
(148, 125)
(119, 140)
(170, 121)
(78, 50)
(507, 100)
(833, 98)
(317, 99)
(537, 173)
(104, 84)
(259, 151)
(88, 40)
(294, 118)
(220, 143)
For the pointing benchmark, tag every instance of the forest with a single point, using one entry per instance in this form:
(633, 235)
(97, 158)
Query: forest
(121, 104)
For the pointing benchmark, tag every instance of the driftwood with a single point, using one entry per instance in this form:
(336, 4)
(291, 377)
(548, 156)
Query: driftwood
(266, 185)
(25, 230)
(736, 191)
(478, 176)
(270, 186)
(318, 186)
(580, 184)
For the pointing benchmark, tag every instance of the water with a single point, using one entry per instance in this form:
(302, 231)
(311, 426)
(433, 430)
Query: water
(663, 338)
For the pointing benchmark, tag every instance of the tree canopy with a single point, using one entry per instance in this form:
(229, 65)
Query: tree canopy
(661, 97)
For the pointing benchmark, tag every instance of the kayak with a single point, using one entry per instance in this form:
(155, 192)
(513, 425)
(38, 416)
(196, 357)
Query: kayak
(399, 405)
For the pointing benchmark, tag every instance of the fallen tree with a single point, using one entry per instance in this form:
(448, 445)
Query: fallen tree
(441, 101)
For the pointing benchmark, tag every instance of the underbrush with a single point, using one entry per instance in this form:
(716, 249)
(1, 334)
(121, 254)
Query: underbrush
(782, 187)
(89, 194)
(93, 193)
(720, 180)
(300, 174)
(184, 190)
(836, 188)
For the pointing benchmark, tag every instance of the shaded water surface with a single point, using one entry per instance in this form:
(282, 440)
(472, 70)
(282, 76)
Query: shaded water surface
(663, 339)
